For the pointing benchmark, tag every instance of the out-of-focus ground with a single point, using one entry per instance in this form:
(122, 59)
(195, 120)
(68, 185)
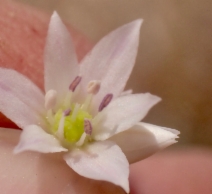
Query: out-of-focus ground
(175, 54)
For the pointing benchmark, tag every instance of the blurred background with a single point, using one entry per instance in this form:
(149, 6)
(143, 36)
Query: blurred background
(174, 59)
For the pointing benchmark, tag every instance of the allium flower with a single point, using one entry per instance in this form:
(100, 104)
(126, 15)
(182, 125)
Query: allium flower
(84, 112)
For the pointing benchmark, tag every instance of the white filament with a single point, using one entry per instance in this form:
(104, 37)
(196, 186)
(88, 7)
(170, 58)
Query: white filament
(81, 140)
(67, 101)
(74, 114)
(87, 102)
(50, 117)
(50, 99)
(60, 131)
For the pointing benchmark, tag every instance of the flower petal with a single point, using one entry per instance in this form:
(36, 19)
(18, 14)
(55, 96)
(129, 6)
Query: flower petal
(123, 113)
(101, 161)
(34, 138)
(111, 60)
(126, 92)
(143, 140)
(22, 88)
(60, 58)
(20, 99)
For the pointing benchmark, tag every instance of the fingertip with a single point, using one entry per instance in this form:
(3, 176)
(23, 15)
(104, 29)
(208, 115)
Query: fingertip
(184, 171)
(34, 173)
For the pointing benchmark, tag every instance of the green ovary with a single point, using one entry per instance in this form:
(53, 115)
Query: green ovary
(72, 129)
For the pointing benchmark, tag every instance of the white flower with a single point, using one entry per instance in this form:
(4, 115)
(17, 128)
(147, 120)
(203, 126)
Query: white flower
(84, 111)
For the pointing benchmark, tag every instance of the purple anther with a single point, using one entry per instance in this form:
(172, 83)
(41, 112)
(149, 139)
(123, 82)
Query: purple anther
(106, 100)
(67, 112)
(87, 127)
(75, 83)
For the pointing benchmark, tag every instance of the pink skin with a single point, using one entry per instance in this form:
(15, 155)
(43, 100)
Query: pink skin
(183, 171)
(22, 36)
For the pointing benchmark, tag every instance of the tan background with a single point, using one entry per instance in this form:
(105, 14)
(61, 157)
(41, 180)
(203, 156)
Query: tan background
(175, 54)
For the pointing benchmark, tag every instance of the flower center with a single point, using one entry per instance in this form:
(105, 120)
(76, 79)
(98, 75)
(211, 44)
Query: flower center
(72, 123)
(73, 127)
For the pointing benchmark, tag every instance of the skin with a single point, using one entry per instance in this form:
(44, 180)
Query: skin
(22, 39)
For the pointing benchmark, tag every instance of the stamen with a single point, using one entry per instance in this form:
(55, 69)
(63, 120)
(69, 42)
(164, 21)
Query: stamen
(87, 102)
(67, 101)
(50, 117)
(50, 99)
(106, 100)
(87, 127)
(60, 131)
(97, 118)
(93, 87)
(74, 114)
(67, 112)
(81, 140)
(75, 83)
